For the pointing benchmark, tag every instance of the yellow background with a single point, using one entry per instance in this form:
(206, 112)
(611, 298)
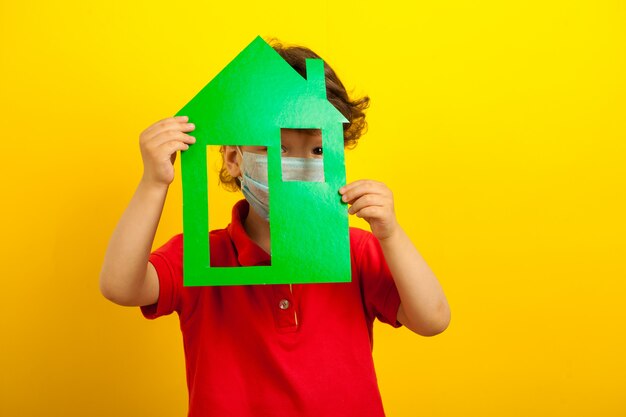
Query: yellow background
(499, 126)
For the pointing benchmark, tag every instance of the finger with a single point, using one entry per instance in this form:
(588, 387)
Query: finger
(168, 149)
(166, 121)
(165, 125)
(364, 187)
(368, 200)
(169, 136)
(359, 184)
(351, 185)
(172, 126)
(371, 212)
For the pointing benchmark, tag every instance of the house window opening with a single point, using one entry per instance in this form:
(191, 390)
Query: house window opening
(223, 196)
(302, 155)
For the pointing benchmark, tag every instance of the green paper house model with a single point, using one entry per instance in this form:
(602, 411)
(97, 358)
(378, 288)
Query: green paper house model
(247, 104)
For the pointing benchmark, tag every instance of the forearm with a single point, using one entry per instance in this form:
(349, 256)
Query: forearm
(423, 301)
(126, 259)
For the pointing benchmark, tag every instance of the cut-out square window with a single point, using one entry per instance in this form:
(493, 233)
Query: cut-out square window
(302, 155)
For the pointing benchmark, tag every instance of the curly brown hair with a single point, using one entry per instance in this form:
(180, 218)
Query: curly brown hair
(351, 109)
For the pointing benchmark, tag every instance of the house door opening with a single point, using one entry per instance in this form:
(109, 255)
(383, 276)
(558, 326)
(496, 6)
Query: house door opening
(224, 191)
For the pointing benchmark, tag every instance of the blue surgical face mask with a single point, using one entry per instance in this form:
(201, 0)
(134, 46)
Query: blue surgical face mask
(303, 169)
(254, 182)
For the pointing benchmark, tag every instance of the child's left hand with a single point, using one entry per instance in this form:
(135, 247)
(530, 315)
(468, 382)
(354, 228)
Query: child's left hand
(372, 201)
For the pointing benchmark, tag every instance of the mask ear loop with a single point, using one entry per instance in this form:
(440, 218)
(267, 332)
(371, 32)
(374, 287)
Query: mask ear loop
(240, 177)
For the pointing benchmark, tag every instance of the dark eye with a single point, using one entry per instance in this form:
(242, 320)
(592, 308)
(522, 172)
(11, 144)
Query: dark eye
(318, 151)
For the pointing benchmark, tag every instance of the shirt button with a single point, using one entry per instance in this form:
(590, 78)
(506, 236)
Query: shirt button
(283, 304)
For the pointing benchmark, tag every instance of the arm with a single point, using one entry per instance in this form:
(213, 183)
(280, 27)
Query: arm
(127, 278)
(423, 308)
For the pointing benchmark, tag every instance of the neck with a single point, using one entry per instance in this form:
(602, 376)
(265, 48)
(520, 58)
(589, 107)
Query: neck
(258, 230)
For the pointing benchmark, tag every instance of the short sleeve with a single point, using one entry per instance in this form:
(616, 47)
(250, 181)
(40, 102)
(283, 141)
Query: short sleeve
(380, 295)
(168, 262)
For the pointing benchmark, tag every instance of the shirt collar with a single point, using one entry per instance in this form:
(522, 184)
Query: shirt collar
(248, 252)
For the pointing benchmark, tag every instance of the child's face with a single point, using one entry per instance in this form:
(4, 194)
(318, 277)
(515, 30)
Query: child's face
(295, 143)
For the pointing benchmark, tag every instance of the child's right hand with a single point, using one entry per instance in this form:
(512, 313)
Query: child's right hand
(159, 144)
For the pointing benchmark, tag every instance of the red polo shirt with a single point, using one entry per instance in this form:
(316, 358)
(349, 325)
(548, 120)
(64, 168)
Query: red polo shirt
(278, 350)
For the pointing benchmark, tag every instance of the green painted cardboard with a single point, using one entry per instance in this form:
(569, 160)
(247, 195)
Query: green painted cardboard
(248, 103)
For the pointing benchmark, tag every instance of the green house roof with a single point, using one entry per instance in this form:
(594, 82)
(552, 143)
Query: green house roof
(259, 90)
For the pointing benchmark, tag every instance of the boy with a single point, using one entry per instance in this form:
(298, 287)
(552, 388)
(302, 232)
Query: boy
(273, 350)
